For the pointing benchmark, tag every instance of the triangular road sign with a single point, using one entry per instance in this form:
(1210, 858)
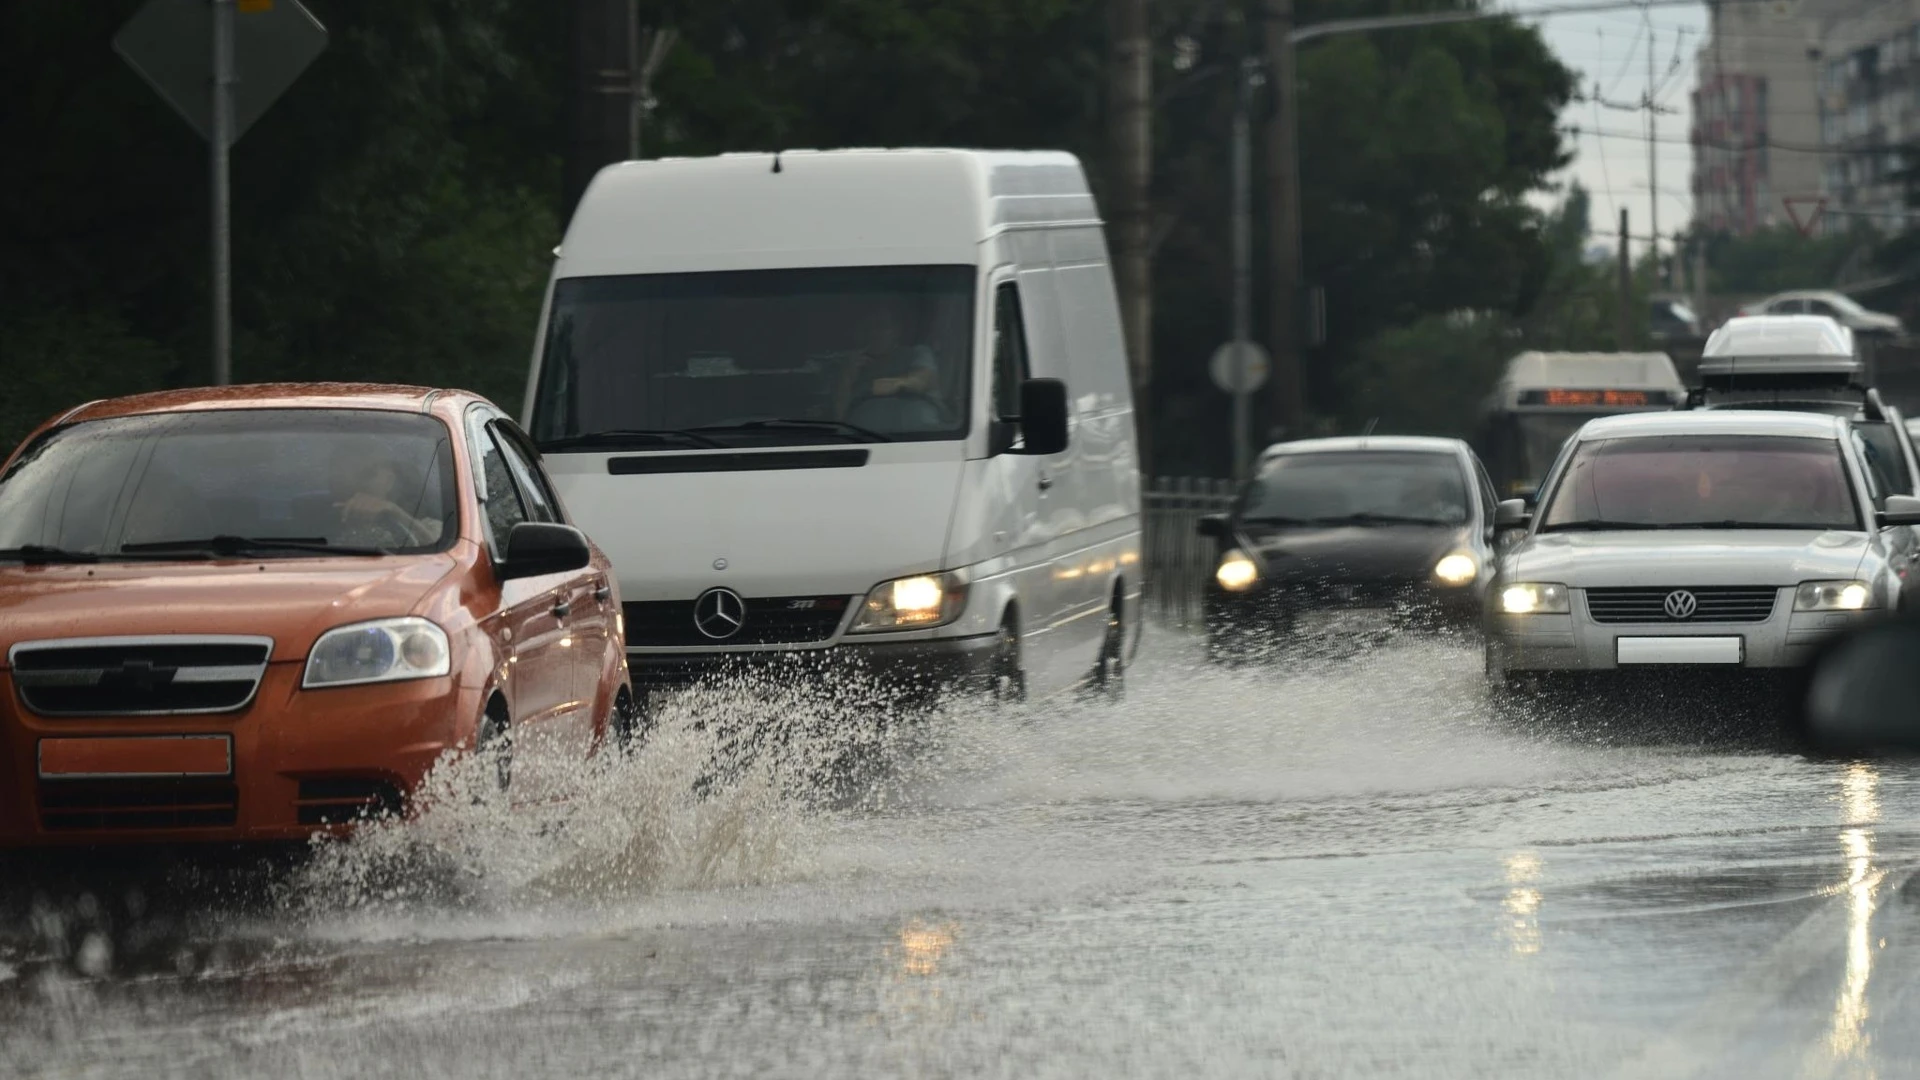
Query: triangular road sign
(1793, 204)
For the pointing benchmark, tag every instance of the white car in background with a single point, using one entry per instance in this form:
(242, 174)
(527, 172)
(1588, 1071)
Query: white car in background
(1839, 307)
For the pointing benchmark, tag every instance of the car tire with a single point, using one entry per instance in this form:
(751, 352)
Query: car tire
(495, 742)
(1007, 677)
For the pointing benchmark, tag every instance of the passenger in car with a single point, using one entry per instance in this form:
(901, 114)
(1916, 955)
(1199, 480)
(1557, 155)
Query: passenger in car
(368, 512)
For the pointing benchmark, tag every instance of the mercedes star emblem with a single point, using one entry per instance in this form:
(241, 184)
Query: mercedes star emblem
(719, 613)
(1681, 604)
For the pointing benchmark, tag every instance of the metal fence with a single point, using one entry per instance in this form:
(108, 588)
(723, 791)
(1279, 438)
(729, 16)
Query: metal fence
(1178, 558)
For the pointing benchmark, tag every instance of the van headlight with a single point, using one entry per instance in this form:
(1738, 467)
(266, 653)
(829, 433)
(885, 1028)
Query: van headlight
(1534, 598)
(385, 650)
(910, 603)
(1458, 568)
(1236, 572)
(1832, 596)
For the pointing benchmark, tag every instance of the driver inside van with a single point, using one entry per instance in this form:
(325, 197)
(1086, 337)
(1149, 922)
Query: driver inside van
(886, 367)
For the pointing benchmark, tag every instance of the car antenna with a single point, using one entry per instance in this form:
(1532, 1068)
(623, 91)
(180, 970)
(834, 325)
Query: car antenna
(776, 160)
(1371, 424)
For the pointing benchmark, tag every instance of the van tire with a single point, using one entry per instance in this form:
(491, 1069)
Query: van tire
(1110, 669)
(626, 722)
(1007, 679)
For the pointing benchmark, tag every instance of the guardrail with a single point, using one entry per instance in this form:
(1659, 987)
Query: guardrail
(1178, 558)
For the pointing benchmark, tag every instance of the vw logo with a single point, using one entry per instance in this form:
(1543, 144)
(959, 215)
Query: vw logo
(719, 613)
(1680, 604)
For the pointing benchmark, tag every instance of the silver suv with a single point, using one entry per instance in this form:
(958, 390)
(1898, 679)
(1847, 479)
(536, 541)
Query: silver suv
(1732, 539)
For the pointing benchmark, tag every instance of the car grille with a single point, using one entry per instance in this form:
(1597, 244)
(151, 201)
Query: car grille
(75, 805)
(779, 620)
(340, 800)
(148, 676)
(1715, 604)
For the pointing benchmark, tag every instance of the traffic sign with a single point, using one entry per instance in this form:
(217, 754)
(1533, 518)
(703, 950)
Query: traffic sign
(1227, 367)
(166, 42)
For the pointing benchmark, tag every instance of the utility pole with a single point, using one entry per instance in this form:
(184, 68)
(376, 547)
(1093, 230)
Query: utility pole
(1653, 169)
(1288, 395)
(1623, 332)
(1242, 258)
(642, 64)
(1129, 141)
(222, 144)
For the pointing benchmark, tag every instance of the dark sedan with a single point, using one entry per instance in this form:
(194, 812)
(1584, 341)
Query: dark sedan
(1351, 539)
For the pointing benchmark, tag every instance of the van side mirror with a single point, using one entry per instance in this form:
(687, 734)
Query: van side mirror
(537, 548)
(1900, 510)
(1512, 514)
(1214, 525)
(1043, 417)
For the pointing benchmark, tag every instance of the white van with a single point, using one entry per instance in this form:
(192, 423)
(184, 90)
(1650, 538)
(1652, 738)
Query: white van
(867, 405)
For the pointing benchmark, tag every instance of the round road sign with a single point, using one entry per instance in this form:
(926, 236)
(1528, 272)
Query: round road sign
(1227, 366)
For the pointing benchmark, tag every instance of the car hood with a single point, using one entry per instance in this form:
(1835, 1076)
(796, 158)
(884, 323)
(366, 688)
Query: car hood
(774, 532)
(1352, 552)
(1687, 557)
(292, 601)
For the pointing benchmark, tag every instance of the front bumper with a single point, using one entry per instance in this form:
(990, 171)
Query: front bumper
(302, 761)
(928, 665)
(1575, 642)
(1269, 608)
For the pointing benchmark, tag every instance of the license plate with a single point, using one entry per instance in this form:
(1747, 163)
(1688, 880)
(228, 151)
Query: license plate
(136, 756)
(1679, 650)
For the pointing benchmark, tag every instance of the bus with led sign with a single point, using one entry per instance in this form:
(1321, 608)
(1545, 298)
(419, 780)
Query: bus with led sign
(1544, 397)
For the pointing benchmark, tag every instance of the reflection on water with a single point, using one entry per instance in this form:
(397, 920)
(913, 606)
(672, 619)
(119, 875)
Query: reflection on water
(1847, 1037)
(1522, 904)
(922, 947)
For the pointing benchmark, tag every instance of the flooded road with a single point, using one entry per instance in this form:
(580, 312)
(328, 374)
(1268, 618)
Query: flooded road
(1349, 871)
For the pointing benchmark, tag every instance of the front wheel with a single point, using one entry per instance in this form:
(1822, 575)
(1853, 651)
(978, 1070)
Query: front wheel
(1007, 681)
(1110, 670)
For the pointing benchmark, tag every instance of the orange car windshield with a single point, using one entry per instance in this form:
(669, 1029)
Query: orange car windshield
(259, 482)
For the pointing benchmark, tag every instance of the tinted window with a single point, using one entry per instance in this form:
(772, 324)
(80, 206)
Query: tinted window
(1009, 352)
(501, 500)
(535, 495)
(343, 477)
(1704, 481)
(1361, 484)
(885, 348)
(1882, 452)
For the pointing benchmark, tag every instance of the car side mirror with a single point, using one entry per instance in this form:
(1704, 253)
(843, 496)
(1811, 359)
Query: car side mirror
(1900, 510)
(1861, 690)
(537, 548)
(1214, 525)
(1512, 514)
(1043, 417)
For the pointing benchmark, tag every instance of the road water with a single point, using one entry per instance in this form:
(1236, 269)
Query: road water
(1346, 869)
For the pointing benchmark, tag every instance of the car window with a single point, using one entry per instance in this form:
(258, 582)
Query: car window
(1704, 481)
(1821, 307)
(1880, 448)
(499, 496)
(1397, 486)
(1009, 352)
(535, 494)
(1488, 495)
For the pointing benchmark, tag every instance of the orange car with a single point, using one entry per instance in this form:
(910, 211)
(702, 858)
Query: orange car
(255, 612)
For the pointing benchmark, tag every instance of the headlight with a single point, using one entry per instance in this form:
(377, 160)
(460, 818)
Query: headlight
(1236, 571)
(1456, 569)
(910, 603)
(386, 650)
(1832, 596)
(1534, 598)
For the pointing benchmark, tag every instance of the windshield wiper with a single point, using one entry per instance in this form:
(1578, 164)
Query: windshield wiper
(832, 427)
(1732, 524)
(1377, 519)
(41, 553)
(1600, 526)
(244, 545)
(630, 438)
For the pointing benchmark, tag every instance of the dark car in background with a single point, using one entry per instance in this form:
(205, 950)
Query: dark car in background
(1350, 538)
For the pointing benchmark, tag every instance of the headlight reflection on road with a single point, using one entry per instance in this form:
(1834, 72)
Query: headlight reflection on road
(922, 947)
(1861, 796)
(1522, 905)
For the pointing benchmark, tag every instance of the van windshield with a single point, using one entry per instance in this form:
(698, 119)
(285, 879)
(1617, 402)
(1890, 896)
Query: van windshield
(757, 358)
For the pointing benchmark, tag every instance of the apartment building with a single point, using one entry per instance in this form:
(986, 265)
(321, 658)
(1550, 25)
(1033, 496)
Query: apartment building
(1869, 101)
(1756, 119)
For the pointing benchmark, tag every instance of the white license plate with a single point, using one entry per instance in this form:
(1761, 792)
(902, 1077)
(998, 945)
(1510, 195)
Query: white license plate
(1679, 650)
(1345, 621)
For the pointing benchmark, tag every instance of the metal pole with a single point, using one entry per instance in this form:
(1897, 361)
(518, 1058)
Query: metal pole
(1653, 170)
(635, 88)
(222, 192)
(1624, 331)
(1288, 392)
(1242, 264)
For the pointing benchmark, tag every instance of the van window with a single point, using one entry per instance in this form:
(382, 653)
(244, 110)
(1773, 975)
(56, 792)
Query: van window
(1010, 367)
(734, 357)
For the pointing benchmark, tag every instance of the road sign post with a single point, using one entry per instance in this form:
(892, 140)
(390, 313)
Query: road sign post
(220, 64)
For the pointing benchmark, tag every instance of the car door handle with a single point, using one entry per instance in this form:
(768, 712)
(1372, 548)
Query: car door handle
(603, 593)
(1046, 482)
(562, 609)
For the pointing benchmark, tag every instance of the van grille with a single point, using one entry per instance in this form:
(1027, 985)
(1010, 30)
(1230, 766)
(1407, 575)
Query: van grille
(777, 620)
(76, 805)
(165, 675)
(1714, 604)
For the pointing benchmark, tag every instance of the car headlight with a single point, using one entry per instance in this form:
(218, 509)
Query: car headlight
(910, 603)
(1832, 596)
(1456, 569)
(1534, 598)
(385, 650)
(1236, 572)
